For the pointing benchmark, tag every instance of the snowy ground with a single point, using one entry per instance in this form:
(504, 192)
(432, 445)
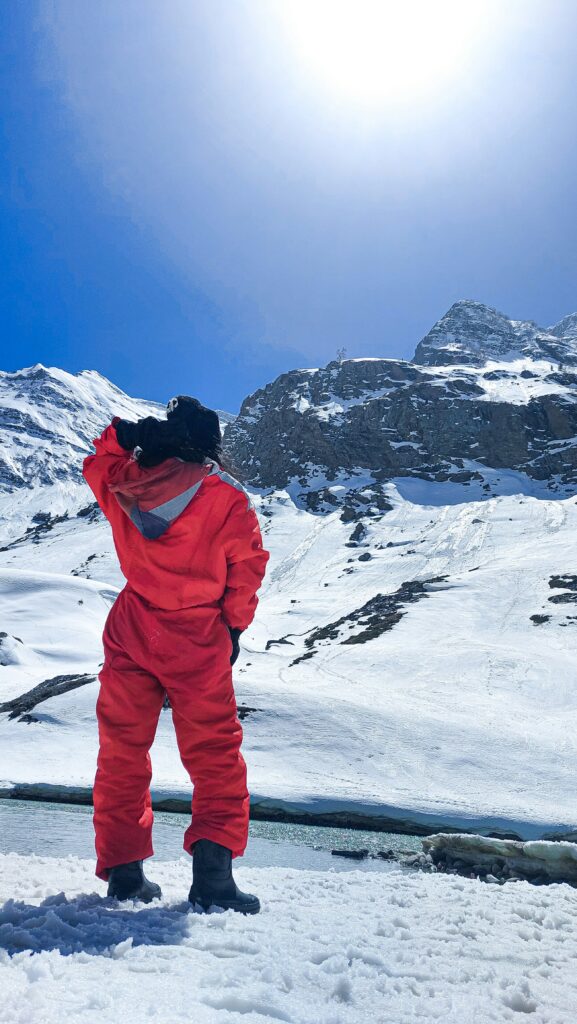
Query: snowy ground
(464, 713)
(327, 948)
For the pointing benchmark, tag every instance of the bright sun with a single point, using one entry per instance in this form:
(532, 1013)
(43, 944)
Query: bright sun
(374, 51)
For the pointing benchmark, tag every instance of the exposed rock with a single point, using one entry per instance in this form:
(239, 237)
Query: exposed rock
(44, 522)
(335, 436)
(244, 711)
(351, 854)
(359, 533)
(21, 706)
(10, 649)
(565, 582)
(277, 643)
(91, 512)
(375, 617)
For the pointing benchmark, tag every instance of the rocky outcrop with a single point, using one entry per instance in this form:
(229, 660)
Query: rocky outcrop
(334, 436)
(20, 707)
(377, 616)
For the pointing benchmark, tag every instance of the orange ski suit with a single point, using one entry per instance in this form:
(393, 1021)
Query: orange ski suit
(190, 547)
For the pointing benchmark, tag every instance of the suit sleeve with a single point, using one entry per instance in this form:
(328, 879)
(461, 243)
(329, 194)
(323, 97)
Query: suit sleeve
(97, 469)
(246, 561)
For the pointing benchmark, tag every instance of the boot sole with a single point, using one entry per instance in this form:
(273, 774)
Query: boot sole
(239, 908)
(135, 896)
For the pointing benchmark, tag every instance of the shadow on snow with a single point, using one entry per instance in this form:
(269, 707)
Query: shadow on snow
(90, 924)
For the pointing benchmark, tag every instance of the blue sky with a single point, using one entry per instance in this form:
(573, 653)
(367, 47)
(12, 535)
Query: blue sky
(185, 208)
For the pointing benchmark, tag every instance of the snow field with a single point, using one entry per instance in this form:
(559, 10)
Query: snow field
(327, 949)
(463, 714)
(57, 621)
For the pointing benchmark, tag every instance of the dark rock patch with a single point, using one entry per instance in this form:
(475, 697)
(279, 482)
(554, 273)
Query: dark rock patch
(23, 705)
(82, 570)
(565, 582)
(244, 711)
(90, 512)
(359, 533)
(278, 643)
(351, 854)
(375, 617)
(44, 522)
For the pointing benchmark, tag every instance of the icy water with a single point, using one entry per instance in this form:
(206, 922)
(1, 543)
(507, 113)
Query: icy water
(56, 830)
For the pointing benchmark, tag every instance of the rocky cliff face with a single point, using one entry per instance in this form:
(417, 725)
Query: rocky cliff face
(334, 436)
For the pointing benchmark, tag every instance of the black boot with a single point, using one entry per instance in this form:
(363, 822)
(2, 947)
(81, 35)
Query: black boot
(128, 882)
(212, 881)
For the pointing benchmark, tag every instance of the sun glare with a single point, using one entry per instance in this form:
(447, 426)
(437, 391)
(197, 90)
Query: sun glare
(373, 51)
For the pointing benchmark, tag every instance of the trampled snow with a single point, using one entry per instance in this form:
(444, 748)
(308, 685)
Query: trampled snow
(327, 948)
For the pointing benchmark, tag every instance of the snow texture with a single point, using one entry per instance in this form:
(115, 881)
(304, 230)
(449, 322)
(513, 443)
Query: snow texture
(327, 948)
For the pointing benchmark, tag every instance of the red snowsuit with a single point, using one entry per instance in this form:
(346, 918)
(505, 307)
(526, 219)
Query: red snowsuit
(190, 547)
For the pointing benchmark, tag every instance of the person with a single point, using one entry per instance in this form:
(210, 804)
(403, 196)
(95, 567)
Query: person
(189, 545)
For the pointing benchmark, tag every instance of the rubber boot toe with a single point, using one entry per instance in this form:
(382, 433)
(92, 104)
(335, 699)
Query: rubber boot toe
(242, 902)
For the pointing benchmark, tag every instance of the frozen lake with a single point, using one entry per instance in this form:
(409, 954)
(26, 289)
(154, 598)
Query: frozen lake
(55, 830)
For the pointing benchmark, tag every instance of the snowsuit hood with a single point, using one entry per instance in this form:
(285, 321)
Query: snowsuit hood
(154, 497)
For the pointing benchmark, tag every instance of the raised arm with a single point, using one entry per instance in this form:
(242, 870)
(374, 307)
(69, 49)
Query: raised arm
(97, 469)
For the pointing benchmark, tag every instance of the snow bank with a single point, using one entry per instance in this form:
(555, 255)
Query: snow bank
(327, 949)
(537, 860)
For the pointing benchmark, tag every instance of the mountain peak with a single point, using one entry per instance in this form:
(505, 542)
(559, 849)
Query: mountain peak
(566, 328)
(473, 333)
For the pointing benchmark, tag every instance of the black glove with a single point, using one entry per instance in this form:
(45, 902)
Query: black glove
(234, 637)
(149, 434)
(126, 434)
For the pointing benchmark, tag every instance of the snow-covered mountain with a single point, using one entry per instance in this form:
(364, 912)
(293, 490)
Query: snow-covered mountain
(336, 436)
(473, 333)
(48, 418)
(413, 656)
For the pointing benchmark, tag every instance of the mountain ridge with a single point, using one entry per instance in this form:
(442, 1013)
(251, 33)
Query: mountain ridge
(471, 332)
(482, 393)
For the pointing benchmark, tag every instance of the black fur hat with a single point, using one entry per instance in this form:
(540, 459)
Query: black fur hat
(197, 426)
